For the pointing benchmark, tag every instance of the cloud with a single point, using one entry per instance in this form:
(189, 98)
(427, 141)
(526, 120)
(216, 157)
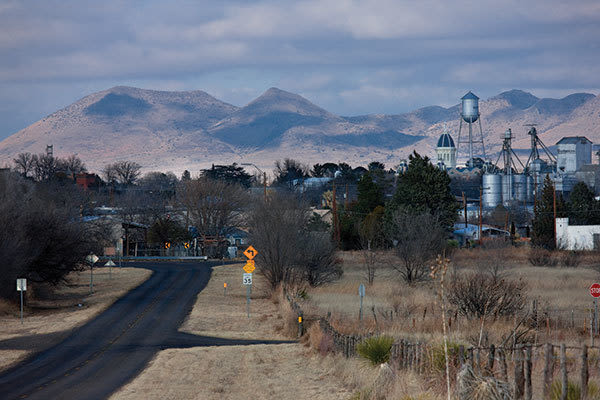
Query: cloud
(347, 56)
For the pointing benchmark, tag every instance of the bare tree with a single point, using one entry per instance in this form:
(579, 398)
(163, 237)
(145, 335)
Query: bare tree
(124, 172)
(44, 167)
(213, 206)
(41, 239)
(71, 164)
(24, 163)
(288, 252)
(417, 239)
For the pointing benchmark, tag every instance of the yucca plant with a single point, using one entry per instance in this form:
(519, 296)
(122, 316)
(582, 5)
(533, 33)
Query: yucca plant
(376, 349)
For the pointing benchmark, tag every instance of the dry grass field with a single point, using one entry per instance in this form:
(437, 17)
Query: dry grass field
(412, 312)
(59, 311)
(274, 371)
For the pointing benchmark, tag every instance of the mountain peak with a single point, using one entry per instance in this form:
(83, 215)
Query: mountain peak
(518, 98)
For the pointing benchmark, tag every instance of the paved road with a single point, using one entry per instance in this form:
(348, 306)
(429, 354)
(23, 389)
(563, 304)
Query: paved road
(101, 356)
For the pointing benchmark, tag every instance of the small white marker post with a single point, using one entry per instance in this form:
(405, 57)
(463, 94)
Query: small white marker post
(91, 259)
(109, 264)
(361, 293)
(21, 287)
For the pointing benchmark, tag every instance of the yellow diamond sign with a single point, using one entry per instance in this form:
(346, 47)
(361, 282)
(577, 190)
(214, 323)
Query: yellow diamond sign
(249, 267)
(250, 252)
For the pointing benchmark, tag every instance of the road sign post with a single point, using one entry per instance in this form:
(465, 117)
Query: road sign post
(361, 293)
(595, 292)
(109, 264)
(224, 288)
(91, 259)
(250, 253)
(21, 287)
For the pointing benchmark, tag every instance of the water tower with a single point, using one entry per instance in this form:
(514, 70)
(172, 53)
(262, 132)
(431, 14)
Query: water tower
(470, 114)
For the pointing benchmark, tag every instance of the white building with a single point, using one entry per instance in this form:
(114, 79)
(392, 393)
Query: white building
(576, 237)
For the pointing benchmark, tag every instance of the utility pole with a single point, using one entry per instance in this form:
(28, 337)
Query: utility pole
(265, 178)
(335, 218)
(465, 208)
(554, 207)
(480, 212)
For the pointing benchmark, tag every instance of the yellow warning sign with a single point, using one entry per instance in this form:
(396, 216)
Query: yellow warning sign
(250, 252)
(249, 267)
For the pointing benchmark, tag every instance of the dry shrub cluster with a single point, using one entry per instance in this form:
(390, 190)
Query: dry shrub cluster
(479, 294)
(539, 257)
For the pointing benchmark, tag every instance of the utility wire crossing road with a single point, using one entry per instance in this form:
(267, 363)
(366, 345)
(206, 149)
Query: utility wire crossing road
(109, 351)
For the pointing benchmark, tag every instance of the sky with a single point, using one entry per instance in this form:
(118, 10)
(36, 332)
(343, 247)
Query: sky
(349, 57)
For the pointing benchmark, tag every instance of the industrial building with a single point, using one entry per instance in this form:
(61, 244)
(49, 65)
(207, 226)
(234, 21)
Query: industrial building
(508, 181)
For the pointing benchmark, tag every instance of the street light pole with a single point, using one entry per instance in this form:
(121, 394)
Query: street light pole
(264, 174)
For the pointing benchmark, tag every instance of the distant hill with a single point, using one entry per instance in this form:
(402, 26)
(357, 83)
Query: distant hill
(192, 130)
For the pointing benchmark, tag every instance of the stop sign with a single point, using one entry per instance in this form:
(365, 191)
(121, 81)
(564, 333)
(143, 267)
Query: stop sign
(595, 290)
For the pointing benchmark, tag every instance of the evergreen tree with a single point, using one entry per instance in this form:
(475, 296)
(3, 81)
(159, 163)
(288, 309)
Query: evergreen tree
(424, 188)
(543, 221)
(583, 206)
(370, 195)
(233, 174)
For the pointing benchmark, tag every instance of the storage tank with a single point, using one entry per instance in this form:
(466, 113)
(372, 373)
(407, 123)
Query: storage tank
(492, 190)
(530, 189)
(520, 187)
(470, 107)
(507, 189)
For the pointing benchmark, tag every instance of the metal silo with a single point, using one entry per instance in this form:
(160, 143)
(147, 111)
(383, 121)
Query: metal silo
(530, 189)
(507, 189)
(492, 190)
(520, 188)
(470, 107)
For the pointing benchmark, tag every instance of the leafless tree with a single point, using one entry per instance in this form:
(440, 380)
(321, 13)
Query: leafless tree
(288, 252)
(124, 172)
(71, 164)
(41, 239)
(44, 167)
(214, 207)
(417, 239)
(24, 163)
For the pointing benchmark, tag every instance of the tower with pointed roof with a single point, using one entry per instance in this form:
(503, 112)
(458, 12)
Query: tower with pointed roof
(446, 150)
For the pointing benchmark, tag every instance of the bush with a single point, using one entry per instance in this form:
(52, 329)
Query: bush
(479, 294)
(539, 257)
(571, 258)
(438, 356)
(376, 350)
(573, 391)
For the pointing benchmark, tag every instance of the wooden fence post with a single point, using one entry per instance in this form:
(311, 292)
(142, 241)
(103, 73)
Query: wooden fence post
(528, 388)
(563, 371)
(548, 369)
(519, 381)
(584, 372)
(490, 361)
(503, 368)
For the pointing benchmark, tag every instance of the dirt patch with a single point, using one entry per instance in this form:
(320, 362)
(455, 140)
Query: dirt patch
(48, 321)
(278, 371)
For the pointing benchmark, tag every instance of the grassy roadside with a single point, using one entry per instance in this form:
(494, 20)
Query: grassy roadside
(280, 371)
(59, 312)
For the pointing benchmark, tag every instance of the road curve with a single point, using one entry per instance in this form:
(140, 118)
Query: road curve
(101, 356)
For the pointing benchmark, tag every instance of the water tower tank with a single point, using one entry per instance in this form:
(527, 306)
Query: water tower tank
(470, 107)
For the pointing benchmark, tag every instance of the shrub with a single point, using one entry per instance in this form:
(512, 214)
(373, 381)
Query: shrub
(376, 349)
(438, 357)
(571, 258)
(573, 391)
(539, 257)
(480, 294)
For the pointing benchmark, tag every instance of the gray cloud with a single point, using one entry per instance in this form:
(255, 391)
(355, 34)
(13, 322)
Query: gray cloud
(351, 57)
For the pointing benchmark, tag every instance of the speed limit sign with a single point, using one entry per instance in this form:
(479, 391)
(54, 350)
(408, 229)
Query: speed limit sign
(247, 279)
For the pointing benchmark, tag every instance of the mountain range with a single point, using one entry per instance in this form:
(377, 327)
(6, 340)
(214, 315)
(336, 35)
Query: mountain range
(174, 131)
